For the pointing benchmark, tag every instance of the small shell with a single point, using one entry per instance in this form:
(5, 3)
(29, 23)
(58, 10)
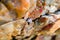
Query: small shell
(55, 27)
(28, 30)
(4, 13)
(8, 29)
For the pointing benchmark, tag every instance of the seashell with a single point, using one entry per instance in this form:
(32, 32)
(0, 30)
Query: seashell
(54, 27)
(4, 13)
(11, 29)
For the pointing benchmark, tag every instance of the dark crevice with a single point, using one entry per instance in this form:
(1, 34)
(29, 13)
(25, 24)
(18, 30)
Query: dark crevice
(13, 38)
(22, 17)
(27, 37)
(34, 37)
(56, 12)
(53, 37)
